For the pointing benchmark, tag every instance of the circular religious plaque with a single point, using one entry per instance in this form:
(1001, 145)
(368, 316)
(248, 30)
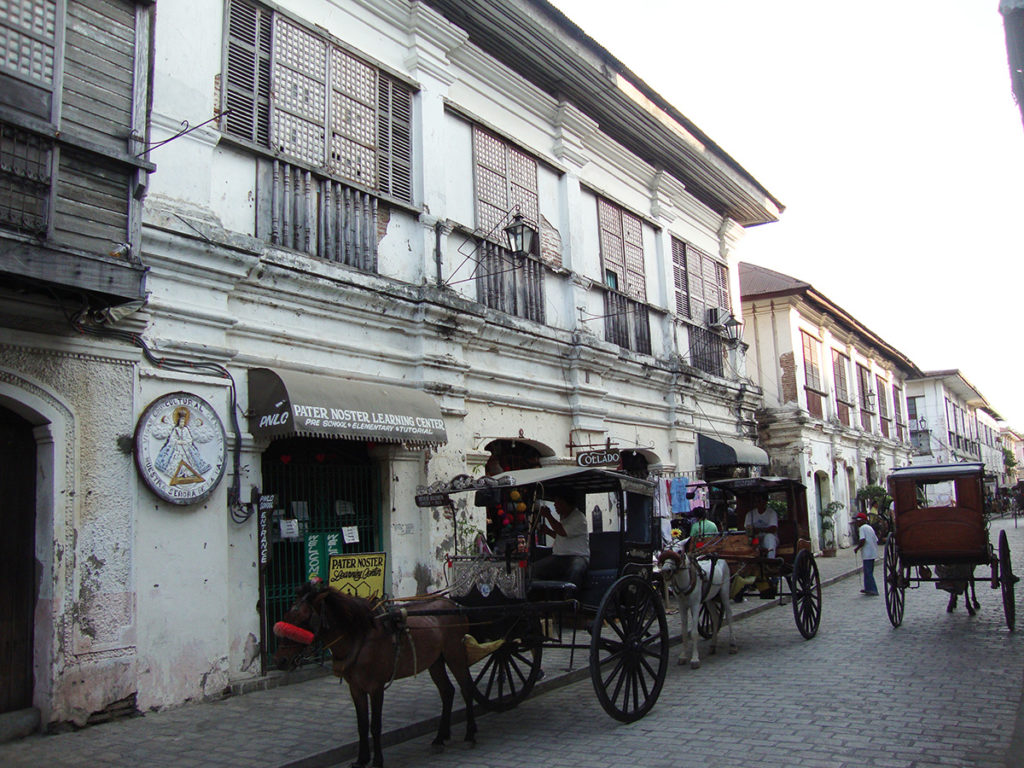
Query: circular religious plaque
(180, 447)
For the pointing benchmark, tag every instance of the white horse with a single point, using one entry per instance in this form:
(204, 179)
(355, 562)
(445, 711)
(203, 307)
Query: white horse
(695, 584)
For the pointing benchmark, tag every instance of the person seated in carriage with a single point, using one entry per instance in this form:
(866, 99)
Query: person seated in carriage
(763, 524)
(570, 552)
(701, 525)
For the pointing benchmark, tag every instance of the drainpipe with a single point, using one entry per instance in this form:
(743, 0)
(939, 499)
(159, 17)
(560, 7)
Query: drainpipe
(438, 226)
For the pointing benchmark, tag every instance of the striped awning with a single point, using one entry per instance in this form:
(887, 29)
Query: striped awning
(284, 403)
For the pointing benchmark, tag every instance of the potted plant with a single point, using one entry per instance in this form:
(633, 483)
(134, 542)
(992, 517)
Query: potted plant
(828, 528)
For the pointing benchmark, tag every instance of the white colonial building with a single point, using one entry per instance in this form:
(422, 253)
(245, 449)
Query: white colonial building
(834, 412)
(951, 421)
(217, 374)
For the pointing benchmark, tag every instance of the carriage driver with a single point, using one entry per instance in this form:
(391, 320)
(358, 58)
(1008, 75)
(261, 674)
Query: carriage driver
(763, 522)
(570, 551)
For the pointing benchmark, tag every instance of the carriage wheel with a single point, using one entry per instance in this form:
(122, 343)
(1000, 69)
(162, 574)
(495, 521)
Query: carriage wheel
(629, 649)
(1006, 581)
(895, 586)
(806, 586)
(507, 675)
(704, 626)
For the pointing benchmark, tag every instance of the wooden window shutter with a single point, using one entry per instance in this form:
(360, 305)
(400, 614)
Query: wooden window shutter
(694, 262)
(722, 275)
(680, 279)
(394, 138)
(522, 182)
(633, 247)
(247, 90)
(622, 248)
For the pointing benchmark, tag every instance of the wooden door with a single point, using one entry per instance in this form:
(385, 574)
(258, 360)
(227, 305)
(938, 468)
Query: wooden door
(17, 560)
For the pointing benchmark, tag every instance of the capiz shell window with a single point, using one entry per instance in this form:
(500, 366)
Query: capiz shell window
(297, 92)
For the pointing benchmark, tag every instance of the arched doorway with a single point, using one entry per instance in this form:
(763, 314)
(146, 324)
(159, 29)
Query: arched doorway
(822, 496)
(17, 559)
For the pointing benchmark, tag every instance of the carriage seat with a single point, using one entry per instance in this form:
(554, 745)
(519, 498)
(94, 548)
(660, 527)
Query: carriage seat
(604, 566)
(787, 537)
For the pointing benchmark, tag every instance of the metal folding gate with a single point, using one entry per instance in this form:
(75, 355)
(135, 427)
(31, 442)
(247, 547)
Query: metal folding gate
(323, 486)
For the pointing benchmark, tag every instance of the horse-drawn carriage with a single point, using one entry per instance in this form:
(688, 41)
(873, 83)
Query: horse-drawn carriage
(940, 522)
(617, 608)
(792, 572)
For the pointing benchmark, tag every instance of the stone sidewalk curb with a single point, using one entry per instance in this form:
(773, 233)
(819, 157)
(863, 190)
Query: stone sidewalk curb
(346, 752)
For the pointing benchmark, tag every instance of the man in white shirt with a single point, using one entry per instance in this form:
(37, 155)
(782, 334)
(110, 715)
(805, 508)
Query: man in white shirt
(570, 552)
(868, 541)
(763, 524)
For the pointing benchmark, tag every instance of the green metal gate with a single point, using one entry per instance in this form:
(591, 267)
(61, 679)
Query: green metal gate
(324, 486)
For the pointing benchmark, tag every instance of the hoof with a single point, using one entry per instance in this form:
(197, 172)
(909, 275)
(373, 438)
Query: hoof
(733, 650)
(694, 665)
(713, 650)
(437, 747)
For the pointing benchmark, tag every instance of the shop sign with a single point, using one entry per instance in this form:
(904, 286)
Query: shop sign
(361, 575)
(180, 448)
(605, 458)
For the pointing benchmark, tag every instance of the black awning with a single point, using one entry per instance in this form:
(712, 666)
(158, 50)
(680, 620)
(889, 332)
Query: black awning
(729, 452)
(289, 403)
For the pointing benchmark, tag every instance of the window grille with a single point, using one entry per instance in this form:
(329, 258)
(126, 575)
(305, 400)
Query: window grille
(25, 174)
(707, 352)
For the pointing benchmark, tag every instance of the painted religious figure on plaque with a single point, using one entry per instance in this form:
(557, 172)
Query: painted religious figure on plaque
(180, 448)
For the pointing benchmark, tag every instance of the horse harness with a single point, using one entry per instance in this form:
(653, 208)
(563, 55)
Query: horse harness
(705, 579)
(393, 619)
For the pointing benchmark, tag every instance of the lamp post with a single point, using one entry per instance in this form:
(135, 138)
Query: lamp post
(520, 235)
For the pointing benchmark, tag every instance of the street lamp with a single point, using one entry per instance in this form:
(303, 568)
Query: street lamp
(733, 328)
(520, 235)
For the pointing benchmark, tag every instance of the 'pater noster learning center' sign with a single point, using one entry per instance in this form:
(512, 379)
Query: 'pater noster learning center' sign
(360, 574)
(286, 403)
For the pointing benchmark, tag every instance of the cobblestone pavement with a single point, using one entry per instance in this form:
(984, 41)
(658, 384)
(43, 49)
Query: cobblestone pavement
(942, 690)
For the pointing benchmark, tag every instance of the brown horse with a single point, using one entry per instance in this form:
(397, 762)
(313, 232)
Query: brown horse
(371, 649)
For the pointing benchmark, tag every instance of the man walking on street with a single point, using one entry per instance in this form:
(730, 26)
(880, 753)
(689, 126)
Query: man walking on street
(868, 541)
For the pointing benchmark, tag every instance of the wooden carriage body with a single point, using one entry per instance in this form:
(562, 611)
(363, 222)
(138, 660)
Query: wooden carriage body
(945, 526)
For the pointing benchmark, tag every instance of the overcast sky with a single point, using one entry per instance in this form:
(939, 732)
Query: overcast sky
(888, 130)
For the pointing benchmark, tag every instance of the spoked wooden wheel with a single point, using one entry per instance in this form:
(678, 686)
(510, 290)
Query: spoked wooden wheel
(629, 649)
(895, 587)
(507, 675)
(1006, 581)
(704, 626)
(806, 585)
